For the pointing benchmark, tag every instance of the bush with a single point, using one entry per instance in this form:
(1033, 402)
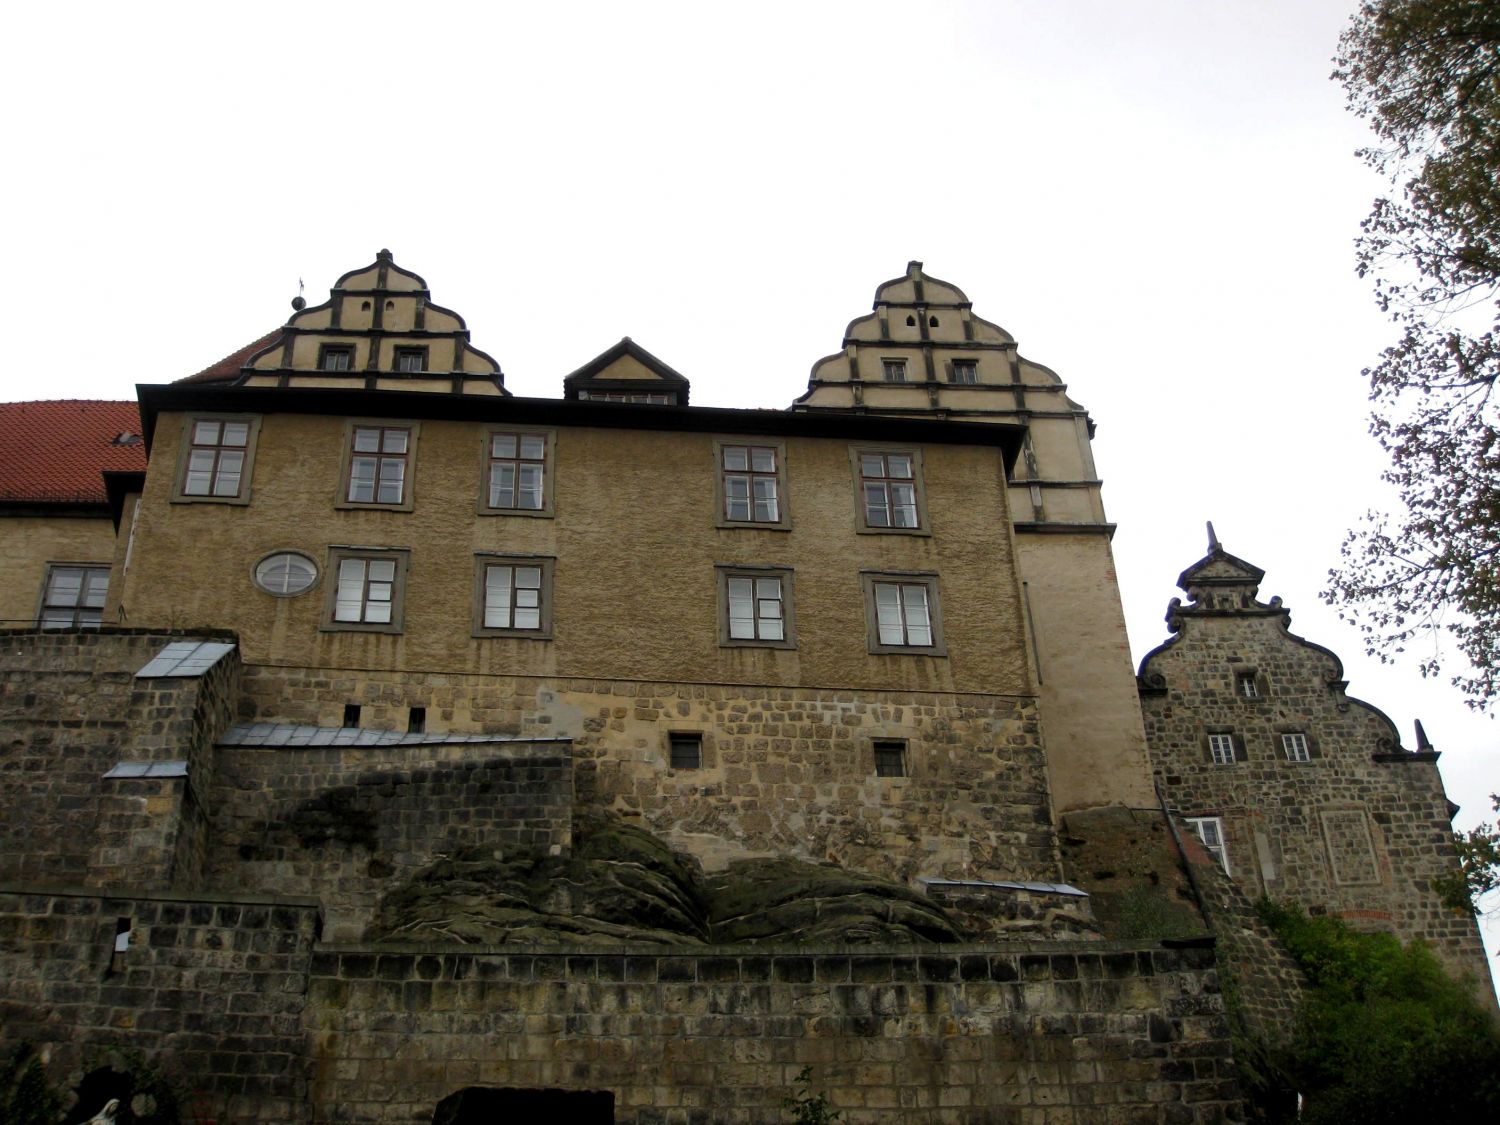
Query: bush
(1386, 1036)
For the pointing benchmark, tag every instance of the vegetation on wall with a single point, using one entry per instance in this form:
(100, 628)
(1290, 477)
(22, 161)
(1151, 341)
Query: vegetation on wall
(1425, 75)
(1478, 867)
(1385, 1036)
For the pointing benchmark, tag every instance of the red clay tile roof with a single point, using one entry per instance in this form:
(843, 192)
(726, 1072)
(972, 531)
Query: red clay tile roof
(53, 452)
(228, 368)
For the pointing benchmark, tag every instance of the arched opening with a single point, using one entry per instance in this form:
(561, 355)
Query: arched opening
(484, 1105)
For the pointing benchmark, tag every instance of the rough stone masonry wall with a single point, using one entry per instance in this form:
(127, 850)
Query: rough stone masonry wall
(1020, 1037)
(1357, 831)
(347, 823)
(211, 990)
(785, 771)
(70, 708)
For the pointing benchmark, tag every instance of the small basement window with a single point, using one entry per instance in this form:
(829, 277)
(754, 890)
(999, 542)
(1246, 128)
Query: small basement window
(890, 757)
(351, 714)
(685, 751)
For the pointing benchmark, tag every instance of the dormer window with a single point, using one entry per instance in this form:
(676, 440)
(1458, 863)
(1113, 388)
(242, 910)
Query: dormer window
(651, 398)
(336, 357)
(411, 360)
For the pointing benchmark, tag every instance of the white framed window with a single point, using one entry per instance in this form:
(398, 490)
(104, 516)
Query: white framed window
(215, 460)
(755, 607)
(73, 597)
(1294, 743)
(516, 473)
(367, 591)
(513, 596)
(751, 483)
(336, 357)
(902, 613)
(1221, 749)
(1245, 685)
(378, 465)
(890, 486)
(1210, 830)
(286, 573)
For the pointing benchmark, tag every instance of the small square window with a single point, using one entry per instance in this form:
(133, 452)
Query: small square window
(965, 371)
(902, 613)
(73, 597)
(1221, 749)
(894, 370)
(336, 357)
(1210, 830)
(890, 490)
(1245, 685)
(513, 596)
(1295, 745)
(379, 466)
(890, 757)
(755, 607)
(367, 592)
(685, 751)
(411, 360)
(516, 479)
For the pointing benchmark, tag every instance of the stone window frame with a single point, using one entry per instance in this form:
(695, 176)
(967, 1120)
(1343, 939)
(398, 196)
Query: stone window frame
(723, 572)
(483, 560)
(326, 351)
(409, 473)
(783, 521)
(1309, 745)
(185, 449)
(892, 365)
(408, 351)
(870, 579)
(549, 466)
(1249, 677)
(919, 489)
(900, 747)
(401, 556)
(1237, 746)
(970, 366)
(44, 606)
(678, 732)
(1219, 850)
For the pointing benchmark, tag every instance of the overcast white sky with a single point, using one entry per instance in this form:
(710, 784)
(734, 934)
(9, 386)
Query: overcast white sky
(1158, 199)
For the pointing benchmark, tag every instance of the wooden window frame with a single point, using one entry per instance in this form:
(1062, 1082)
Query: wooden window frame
(695, 737)
(400, 556)
(327, 350)
(971, 366)
(1218, 741)
(900, 747)
(863, 526)
(487, 461)
(888, 366)
(483, 562)
(783, 520)
(1305, 750)
(872, 580)
(726, 572)
(405, 351)
(44, 606)
(188, 446)
(408, 458)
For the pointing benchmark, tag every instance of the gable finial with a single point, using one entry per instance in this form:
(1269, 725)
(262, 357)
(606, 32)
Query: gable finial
(1213, 540)
(299, 302)
(1422, 743)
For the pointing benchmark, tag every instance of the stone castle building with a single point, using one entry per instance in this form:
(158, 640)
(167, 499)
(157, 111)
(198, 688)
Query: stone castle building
(383, 746)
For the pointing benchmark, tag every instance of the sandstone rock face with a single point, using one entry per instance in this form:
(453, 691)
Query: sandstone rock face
(622, 885)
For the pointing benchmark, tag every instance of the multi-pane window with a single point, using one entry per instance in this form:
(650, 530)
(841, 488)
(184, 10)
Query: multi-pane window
(336, 357)
(73, 597)
(1210, 829)
(517, 471)
(1295, 745)
(890, 757)
(216, 458)
(286, 573)
(888, 486)
(903, 614)
(411, 360)
(377, 465)
(654, 398)
(894, 370)
(757, 610)
(1245, 686)
(513, 596)
(750, 483)
(965, 371)
(685, 751)
(366, 591)
(1221, 749)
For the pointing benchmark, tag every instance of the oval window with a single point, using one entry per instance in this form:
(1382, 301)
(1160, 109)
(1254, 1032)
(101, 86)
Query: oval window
(285, 573)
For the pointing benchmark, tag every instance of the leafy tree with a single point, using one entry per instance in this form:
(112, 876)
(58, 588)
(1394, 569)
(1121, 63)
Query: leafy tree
(1479, 866)
(1425, 74)
(1385, 1035)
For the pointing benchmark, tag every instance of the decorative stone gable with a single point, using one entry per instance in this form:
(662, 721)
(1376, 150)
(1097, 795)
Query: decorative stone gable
(1301, 792)
(378, 330)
